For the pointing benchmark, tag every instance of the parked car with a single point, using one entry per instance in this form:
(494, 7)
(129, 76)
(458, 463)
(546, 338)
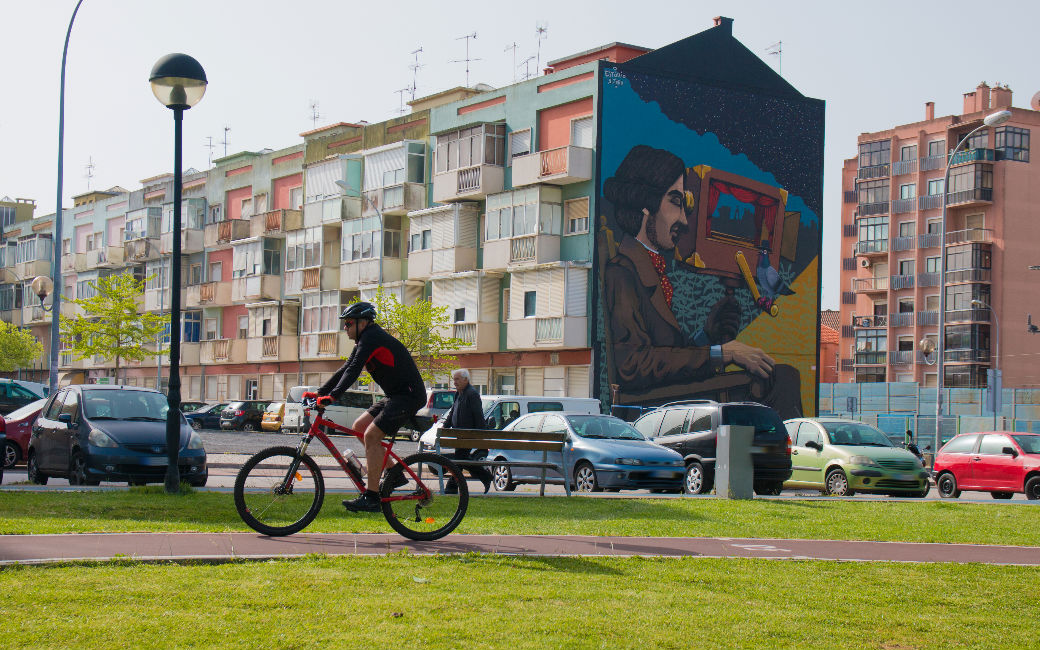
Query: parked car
(603, 453)
(343, 411)
(272, 418)
(501, 410)
(438, 403)
(243, 415)
(14, 394)
(207, 417)
(691, 428)
(92, 433)
(842, 457)
(17, 425)
(191, 407)
(999, 462)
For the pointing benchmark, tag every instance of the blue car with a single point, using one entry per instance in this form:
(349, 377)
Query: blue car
(602, 453)
(205, 417)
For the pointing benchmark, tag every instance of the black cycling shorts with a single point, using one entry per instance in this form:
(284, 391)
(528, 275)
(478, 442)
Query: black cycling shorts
(391, 413)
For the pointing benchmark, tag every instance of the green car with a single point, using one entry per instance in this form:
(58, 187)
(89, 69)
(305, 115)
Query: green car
(842, 457)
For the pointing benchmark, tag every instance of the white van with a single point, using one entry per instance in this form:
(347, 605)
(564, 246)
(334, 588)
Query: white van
(343, 411)
(500, 410)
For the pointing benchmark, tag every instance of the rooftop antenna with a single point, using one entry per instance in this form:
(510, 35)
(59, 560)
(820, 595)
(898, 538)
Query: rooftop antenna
(315, 115)
(467, 59)
(513, 47)
(90, 171)
(400, 95)
(527, 66)
(209, 145)
(776, 49)
(415, 70)
(542, 30)
(227, 140)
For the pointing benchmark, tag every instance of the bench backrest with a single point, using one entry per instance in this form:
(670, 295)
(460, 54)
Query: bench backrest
(492, 439)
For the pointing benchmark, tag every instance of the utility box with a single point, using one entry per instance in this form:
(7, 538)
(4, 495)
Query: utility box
(734, 471)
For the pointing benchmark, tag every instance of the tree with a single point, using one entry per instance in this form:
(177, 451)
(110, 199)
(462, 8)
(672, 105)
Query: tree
(18, 347)
(420, 327)
(111, 326)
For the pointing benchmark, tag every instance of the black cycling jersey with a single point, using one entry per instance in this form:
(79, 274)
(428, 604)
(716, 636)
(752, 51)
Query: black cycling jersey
(386, 359)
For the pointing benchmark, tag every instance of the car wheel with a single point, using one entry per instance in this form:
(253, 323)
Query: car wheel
(199, 482)
(838, 484)
(11, 454)
(947, 485)
(1002, 495)
(249, 426)
(502, 479)
(196, 424)
(585, 478)
(33, 470)
(771, 489)
(78, 471)
(695, 480)
(1033, 488)
(920, 495)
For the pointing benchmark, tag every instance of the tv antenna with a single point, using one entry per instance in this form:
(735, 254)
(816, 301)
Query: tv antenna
(209, 145)
(527, 66)
(513, 47)
(315, 115)
(542, 30)
(89, 175)
(415, 70)
(400, 95)
(227, 140)
(467, 60)
(776, 49)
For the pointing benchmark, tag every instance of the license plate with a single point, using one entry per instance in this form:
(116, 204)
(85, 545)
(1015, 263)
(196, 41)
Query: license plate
(905, 477)
(152, 461)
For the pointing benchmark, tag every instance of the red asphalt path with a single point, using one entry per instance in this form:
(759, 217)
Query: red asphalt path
(45, 549)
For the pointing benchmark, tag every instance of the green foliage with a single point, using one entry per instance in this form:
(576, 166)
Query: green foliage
(18, 347)
(111, 326)
(420, 327)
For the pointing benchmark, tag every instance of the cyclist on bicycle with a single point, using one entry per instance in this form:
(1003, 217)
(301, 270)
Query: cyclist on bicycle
(392, 367)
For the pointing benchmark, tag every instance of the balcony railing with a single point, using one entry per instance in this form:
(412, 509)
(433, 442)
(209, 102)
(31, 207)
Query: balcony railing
(870, 320)
(966, 355)
(903, 281)
(208, 292)
(900, 206)
(548, 329)
(311, 278)
(928, 318)
(522, 249)
(961, 315)
(984, 235)
(978, 194)
(901, 357)
(933, 162)
(968, 275)
(849, 196)
(270, 347)
(876, 358)
(903, 243)
(878, 207)
(222, 349)
(465, 332)
(873, 171)
(902, 319)
(871, 246)
(848, 264)
(847, 365)
(870, 284)
(972, 155)
(468, 179)
(849, 230)
(929, 202)
(328, 343)
(901, 167)
(553, 161)
(929, 240)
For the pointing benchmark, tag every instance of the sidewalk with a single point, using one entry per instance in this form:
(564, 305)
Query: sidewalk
(45, 549)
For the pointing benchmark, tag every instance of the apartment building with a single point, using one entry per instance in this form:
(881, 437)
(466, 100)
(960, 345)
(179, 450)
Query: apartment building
(891, 250)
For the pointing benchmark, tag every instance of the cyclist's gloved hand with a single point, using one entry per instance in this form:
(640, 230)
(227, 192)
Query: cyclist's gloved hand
(310, 395)
(324, 400)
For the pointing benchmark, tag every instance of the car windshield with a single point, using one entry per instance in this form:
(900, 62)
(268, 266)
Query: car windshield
(274, 407)
(26, 410)
(1029, 444)
(124, 405)
(592, 426)
(856, 435)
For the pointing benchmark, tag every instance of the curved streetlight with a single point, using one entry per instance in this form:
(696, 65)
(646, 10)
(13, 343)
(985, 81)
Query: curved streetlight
(995, 387)
(178, 82)
(993, 119)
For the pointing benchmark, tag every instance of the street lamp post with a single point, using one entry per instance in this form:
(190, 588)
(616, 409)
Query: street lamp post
(996, 386)
(992, 119)
(178, 82)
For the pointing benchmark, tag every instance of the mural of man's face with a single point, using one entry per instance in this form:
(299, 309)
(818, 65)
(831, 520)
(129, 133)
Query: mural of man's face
(664, 228)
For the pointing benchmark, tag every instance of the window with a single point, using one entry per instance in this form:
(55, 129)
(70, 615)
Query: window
(959, 296)
(519, 143)
(215, 215)
(648, 425)
(577, 211)
(875, 153)
(970, 177)
(303, 248)
(808, 432)
(243, 327)
(553, 424)
(320, 312)
(873, 228)
(528, 211)
(530, 302)
(978, 140)
(392, 243)
(968, 256)
(247, 208)
(54, 408)
(211, 328)
(194, 274)
(66, 246)
(906, 267)
(908, 191)
(674, 419)
(932, 264)
(482, 144)
(460, 315)
(7, 216)
(1011, 143)
(906, 305)
(700, 420)
(937, 148)
(296, 198)
(960, 444)
(906, 229)
(422, 240)
(192, 326)
(873, 191)
(71, 405)
(934, 227)
(909, 152)
(537, 407)
(935, 186)
(503, 414)
(216, 271)
(583, 132)
(252, 390)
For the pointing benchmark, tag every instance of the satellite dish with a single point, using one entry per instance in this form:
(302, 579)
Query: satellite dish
(1034, 103)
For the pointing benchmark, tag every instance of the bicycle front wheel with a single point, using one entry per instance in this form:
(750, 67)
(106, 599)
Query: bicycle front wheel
(271, 500)
(428, 511)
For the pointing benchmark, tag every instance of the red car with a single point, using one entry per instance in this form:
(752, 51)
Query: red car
(998, 462)
(18, 426)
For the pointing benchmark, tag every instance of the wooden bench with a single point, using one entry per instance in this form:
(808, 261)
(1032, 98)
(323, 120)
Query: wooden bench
(544, 442)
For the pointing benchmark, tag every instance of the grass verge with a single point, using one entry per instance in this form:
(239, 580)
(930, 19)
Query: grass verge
(494, 602)
(149, 509)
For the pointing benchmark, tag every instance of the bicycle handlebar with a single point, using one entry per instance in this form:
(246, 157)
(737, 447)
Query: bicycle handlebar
(313, 400)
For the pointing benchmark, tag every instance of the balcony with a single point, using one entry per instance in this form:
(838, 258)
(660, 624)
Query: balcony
(315, 278)
(928, 317)
(468, 184)
(929, 202)
(903, 243)
(872, 247)
(423, 264)
(159, 299)
(901, 357)
(929, 163)
(968, 275)
(275, 223)
(256, 288)
(352, 275)
(12, 316)
(902, 319)
(554, 332)
(869, 320)
(983, 235)
(560, 166)
(396, 200)
(521, 251)
(208, 294)
(222, 351)
(476, 337)
(900, 206)
(903, 281)
(976, 196)
(325, 345)
(331, 211)
(190, 354)
(903, 167)
(35, 315)
(191, 242)
(929, 240)
(114, 256)
(29, 270)
(878, 207)
(271, 348)
(142, 249)
(972, 155)
(74, 262)
(870, 285)
(967, 315)
(876, 358)
(873, 171)
(966, 355)
(220, 235)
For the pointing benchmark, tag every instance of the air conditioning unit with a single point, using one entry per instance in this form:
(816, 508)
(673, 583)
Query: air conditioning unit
(864, 262)
(866, 322)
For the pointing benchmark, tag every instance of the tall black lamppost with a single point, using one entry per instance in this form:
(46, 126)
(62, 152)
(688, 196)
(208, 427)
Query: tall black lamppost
(178, 82)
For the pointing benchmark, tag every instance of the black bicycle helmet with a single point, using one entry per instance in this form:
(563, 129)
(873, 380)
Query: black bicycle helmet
(359, 310)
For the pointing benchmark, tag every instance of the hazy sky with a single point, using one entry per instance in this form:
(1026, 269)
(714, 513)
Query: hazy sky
(874, 63)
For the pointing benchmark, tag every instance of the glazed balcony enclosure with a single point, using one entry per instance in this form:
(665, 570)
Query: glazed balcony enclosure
(368, 254)
(548, 307)
(472, 301)
(193, 222)
(442, 239)
(523, 227)
(312, 258)
(256, 270)
(141, 234)
(469, 163)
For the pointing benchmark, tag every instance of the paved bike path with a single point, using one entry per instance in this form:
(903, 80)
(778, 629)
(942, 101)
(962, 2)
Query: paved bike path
(45, 549)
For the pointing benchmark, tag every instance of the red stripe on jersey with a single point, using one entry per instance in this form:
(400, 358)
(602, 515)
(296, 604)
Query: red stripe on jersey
(383, 356)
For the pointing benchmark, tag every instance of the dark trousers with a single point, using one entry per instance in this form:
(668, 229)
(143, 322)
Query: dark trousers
(478, 472)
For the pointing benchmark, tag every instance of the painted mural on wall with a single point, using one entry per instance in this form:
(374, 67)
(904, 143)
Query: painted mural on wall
(708, 243)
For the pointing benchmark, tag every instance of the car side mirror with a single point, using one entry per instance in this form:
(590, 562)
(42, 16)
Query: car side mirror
(65, 419)
(812, 444)
(1011, 451)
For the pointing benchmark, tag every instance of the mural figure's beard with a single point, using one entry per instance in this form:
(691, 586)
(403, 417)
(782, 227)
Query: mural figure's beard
(674, 233)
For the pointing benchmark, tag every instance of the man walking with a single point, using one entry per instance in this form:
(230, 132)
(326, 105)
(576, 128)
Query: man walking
(466, 413)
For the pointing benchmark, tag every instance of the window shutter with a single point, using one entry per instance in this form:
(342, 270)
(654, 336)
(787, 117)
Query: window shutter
(578, 381)
(519, 143)
(582, 133)
(577, 291)
(533, 381)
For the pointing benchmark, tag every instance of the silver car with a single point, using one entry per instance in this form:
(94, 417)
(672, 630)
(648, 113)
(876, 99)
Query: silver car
(602, 453)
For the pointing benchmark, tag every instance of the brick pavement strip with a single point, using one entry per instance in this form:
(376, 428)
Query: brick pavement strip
(46, 549)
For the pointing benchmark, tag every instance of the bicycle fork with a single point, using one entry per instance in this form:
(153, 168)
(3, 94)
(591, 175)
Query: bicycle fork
(294, 466)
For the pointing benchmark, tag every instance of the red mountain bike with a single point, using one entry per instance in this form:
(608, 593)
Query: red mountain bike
(279, 491)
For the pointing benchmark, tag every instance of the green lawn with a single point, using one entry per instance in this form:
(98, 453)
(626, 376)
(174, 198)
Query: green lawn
(506, 602)
(149, 509)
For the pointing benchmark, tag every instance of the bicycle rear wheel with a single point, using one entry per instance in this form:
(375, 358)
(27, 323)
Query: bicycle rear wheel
(271, 501)
(415, 514)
